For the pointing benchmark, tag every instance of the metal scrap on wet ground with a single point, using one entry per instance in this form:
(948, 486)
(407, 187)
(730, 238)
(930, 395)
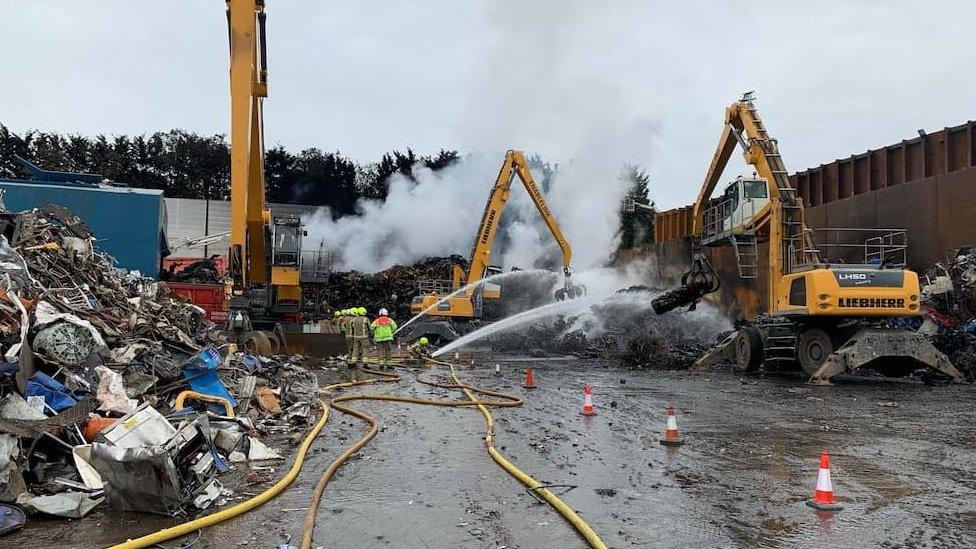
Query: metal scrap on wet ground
(116, 393)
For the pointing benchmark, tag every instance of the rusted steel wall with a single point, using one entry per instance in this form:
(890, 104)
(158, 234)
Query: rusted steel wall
(926, 184)
(931, 155)
(672, 224)
(939, 213)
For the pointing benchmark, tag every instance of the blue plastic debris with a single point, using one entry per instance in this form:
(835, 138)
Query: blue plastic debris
(201, 374)
(251, 363)
(56, 396)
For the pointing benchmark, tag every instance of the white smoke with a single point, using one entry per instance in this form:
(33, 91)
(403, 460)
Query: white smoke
(534, 88)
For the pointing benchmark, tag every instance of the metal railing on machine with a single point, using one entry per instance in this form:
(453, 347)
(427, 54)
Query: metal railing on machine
(858, 246)
(317, 265)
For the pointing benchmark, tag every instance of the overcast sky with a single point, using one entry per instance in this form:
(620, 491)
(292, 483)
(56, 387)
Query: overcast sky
(642, 81)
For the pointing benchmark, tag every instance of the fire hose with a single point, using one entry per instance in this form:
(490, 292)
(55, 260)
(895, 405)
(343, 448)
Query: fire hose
(506, 400)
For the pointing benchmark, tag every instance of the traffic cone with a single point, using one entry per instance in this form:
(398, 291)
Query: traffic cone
(671, 436)
(588, 408)
(529, 379)
(498, 369)
(823, 494)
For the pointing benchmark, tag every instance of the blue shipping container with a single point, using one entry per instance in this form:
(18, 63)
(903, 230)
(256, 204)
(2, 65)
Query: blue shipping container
(129, 224)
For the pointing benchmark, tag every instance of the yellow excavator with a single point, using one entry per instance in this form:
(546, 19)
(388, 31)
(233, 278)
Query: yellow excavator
(830, 316)
(457, 305)
(263, 286)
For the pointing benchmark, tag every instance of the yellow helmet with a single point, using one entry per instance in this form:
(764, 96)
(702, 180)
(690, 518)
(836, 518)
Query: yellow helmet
(336, 314)
(362, 311)
(423, 341)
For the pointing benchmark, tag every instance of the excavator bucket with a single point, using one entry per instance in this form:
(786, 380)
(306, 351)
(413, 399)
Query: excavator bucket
(569, 292)
(891, 352)
(322, 340)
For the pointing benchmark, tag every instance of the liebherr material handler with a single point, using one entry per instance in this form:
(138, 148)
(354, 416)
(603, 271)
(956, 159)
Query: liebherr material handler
(828, 317)
(458, 313)
(263, 285)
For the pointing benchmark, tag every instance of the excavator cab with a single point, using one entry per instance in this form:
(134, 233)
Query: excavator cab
(287, 237)
(742, 202)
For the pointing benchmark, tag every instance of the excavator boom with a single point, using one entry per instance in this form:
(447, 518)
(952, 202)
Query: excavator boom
(467, 304)
(248, 88)
(515, 165)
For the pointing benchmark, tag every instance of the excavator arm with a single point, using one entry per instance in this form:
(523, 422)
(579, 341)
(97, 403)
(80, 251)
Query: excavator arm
(248, 88)
(514, 165)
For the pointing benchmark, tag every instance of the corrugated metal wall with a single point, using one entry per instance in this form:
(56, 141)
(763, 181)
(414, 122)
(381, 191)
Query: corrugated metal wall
(186, 217)
(929, 155)
(926, 184)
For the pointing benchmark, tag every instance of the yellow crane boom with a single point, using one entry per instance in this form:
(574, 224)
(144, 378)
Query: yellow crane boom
(515, 165)
(248, 88)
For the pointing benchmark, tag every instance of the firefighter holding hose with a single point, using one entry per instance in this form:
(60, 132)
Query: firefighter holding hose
(418, 350)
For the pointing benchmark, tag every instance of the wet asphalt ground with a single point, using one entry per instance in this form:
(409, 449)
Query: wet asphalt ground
(902, 456)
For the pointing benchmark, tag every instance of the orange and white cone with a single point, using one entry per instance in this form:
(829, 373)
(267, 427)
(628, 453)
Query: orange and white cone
(529, 379)
(588, 408)
(671, 436)
(498, 369)
(823, 494)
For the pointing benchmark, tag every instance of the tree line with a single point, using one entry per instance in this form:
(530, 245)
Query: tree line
(188, 165)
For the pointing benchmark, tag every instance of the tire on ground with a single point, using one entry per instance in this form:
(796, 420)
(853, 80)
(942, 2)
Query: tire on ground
(274, 344)
(257, 343)
(813, 348)
(749, 352)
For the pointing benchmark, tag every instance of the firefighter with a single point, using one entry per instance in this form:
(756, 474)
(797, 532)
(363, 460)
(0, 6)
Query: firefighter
(358, 330)
(418, 349)
(344, 317)
(383, 328)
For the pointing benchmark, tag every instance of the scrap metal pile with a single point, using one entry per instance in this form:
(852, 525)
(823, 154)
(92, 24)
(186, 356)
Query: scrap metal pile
(391, 289)
(949, 304)
(113, 391)
(628, 332)
(204, 271)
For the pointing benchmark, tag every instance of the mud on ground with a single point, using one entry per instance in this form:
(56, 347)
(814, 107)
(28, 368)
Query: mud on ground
(902, 463)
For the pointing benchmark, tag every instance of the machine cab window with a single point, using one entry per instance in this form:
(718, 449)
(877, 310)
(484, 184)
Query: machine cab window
(743, 199)
(287, 240)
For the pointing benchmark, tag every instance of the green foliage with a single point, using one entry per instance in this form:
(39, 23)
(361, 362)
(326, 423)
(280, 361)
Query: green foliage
(637, 227)
(186, 165)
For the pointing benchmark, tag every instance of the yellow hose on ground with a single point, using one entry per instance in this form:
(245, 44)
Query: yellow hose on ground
(239, 509)
(308, 528)
(507, 401)
(565, 510)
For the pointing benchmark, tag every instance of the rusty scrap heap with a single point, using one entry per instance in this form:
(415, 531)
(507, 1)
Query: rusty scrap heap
(391, 289)
(949, 299)
(114, 390)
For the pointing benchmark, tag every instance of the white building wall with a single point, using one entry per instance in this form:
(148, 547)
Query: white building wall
(185, 220)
